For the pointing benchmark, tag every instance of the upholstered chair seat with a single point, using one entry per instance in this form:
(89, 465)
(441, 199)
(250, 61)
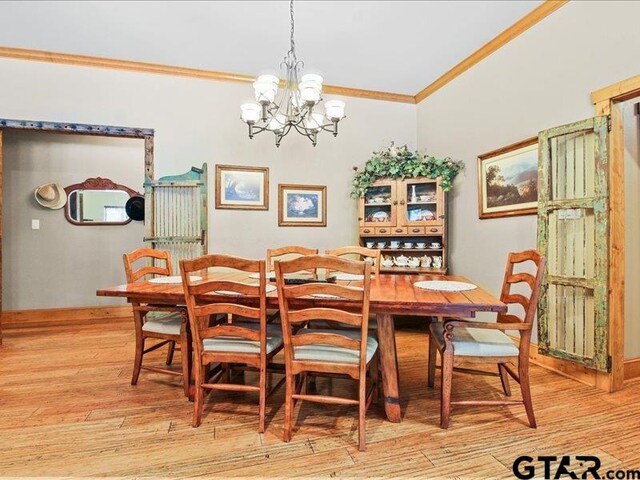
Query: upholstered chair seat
(162, 322)
(242, 345)
(333, 353)
(476, 342)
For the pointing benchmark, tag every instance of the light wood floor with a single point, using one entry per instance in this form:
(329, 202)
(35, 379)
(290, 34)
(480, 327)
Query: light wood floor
(67, 409)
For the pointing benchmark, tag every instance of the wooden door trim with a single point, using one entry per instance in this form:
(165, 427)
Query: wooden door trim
(606, 102)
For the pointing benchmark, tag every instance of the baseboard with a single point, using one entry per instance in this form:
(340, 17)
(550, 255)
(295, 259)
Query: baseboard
(63, 316)
(579, 373)
(632, 369)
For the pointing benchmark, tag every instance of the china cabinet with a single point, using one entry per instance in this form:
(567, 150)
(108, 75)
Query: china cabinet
(406, 220)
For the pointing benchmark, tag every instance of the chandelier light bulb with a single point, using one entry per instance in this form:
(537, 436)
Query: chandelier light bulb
(334, 109)
(312, 77)
(265, 91)
(277, 123)
(315, 122)
(309, 92)
(250, 112)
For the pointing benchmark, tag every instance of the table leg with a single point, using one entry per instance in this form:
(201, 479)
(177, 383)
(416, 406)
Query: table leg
(389, 366)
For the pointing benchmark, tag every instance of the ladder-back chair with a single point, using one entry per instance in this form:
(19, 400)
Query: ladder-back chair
(248, 343)
(460, 340)
(327, 351)
(154, 321)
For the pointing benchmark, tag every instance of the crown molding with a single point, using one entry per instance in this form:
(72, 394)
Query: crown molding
(144, 67)
(522, 25)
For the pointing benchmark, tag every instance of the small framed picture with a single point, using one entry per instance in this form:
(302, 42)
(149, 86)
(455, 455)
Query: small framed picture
(302, 205)
(242, 188)
(508, 180)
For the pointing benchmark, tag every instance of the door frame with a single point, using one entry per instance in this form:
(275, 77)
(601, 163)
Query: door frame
(606, 101)
(71, 129)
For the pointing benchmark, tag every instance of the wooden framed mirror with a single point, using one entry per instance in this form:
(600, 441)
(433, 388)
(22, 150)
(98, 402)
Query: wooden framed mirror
(97, 201)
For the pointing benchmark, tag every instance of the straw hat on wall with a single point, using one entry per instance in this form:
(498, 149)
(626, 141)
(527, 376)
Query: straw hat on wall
(51, 195)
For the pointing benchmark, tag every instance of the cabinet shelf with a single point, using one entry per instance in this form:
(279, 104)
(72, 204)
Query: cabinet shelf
(398, 210)
(394, 269)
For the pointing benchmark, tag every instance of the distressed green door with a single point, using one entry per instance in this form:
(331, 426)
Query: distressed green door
(176, 214)
(573, 232)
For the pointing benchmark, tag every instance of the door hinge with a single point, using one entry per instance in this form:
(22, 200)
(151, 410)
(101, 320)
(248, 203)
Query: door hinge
(608, 123)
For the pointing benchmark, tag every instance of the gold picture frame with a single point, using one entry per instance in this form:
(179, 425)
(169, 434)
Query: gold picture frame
(508, 180)
(302, 205)
(242, 188)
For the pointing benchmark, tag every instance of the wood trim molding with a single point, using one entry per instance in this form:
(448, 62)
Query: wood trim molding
(568, 369)
(618, 91)
(632, 369)
(144, 67)
(522, 25)
(63, 316)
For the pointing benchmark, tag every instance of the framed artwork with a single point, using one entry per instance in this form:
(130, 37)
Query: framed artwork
(508, 180)
(242, 188)
(302, 205)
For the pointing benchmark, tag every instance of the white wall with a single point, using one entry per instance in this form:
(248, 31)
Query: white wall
(631, 228)
(197, 121)
(62, 265)
(541, 79)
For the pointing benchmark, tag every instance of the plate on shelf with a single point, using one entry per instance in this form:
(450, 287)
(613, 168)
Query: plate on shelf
(173, 280)
(445, 286)
(270, 288)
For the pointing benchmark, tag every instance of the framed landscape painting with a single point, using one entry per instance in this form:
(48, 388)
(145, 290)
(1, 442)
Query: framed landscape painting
(508, 180)
(302, 205)
(242, 188)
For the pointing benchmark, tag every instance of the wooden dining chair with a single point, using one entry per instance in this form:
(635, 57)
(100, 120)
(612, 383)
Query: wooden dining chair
(155, 321)
(461, 340)
(247, 343)
(327, 351)
(287, 253)
(361, 253)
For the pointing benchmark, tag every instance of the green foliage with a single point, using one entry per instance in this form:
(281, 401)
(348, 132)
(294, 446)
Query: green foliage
(400, 162)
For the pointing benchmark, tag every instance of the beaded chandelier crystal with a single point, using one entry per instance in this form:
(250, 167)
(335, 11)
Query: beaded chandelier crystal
(293, 107)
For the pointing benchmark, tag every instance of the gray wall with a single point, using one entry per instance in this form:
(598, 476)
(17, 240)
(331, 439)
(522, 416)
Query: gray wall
(541, 79)
(196, 121)
(62, 265)
(631, 229)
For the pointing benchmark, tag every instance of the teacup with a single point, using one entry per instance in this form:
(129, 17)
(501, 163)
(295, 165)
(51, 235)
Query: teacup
(370, 244)
(424, 198)
(395, 244)
(408, 244)
(382, 244)
(435, 245)
(421, 245)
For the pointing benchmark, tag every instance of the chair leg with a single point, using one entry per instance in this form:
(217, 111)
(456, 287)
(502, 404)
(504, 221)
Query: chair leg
(199, 396)
(431, 367)
(362, 411)
(525, 388)
(263, 396)
(185, 359)
(504, 379)
(137, 363)
(445, 386)
(288, 407)
(172, 349)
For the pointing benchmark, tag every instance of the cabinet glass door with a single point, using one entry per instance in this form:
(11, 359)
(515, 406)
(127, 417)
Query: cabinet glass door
(378, 208)
(421, 202)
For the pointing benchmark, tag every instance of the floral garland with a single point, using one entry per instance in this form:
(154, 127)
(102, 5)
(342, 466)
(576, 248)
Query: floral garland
(400, 162)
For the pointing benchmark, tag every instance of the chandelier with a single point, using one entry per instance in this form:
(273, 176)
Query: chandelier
(295, 106)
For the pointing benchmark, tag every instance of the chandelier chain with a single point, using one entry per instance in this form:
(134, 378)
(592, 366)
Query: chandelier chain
(292, 50)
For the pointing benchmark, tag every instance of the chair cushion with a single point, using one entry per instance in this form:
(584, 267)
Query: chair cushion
(332, 353)
(476, 341)
(242, 345)
(167, 323)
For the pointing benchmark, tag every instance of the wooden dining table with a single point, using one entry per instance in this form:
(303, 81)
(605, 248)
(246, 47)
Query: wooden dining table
(391, 294)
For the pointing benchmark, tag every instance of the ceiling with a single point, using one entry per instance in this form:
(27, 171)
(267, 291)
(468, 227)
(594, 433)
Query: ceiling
(393, 46)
